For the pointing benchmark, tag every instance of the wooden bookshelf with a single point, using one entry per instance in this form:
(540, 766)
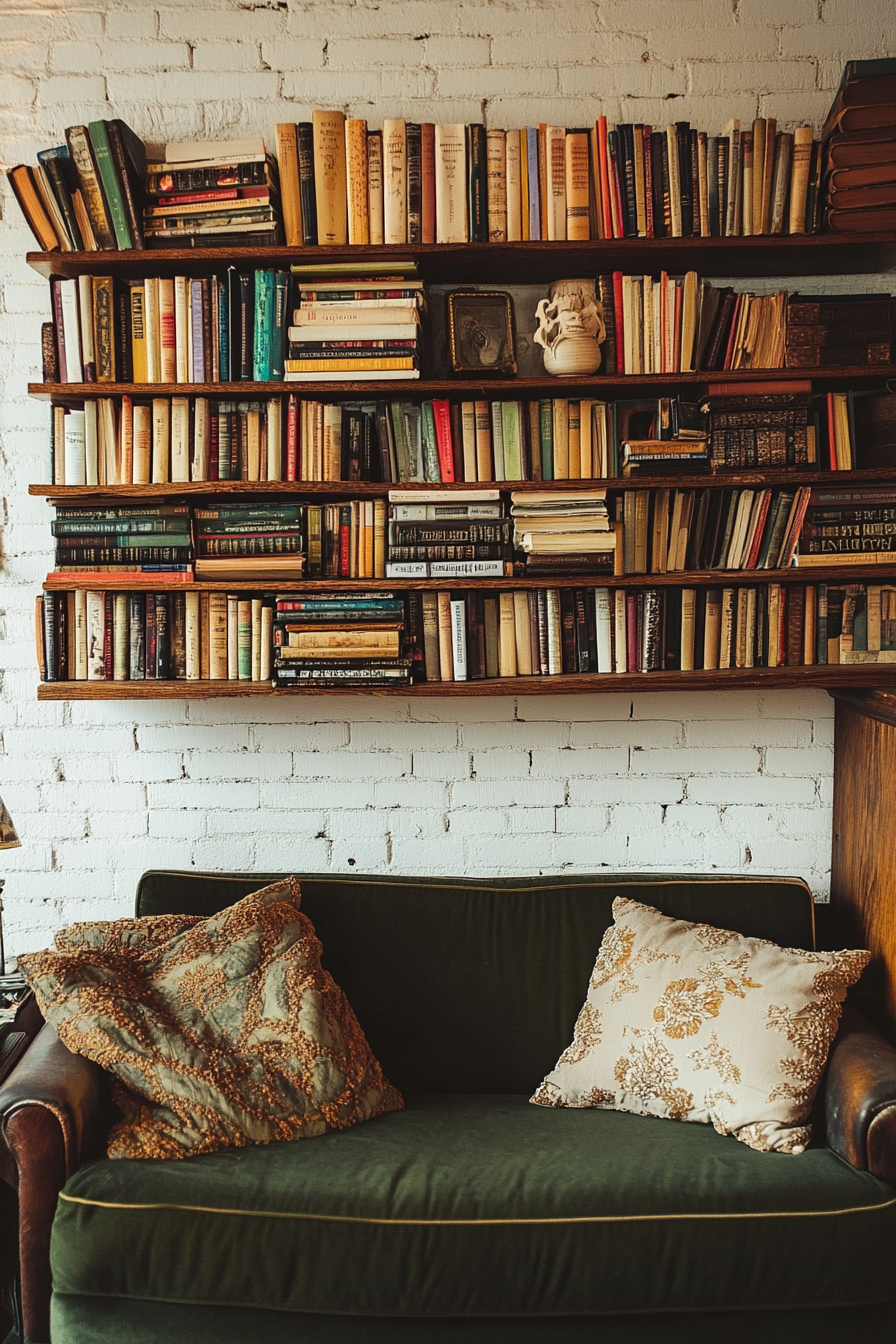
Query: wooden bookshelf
(491, 264)
(466, 389)
(506, 263)
(726, 679)
(704, 578)
(719, 480)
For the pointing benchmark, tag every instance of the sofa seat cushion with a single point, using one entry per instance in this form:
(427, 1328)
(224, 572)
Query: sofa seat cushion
(482, 1205)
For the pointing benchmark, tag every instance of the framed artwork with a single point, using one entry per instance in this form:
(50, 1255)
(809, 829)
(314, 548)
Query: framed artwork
(480, 334)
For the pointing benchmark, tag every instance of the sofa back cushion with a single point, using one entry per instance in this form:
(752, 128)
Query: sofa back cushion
(472, 985)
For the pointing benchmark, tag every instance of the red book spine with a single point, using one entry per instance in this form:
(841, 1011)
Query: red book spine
(753, 556)
(620, 333)
(732, 334)
(345, 542)
(428, 181)
(442, 417)
(292, 438)
(604, 168)
(615, 193)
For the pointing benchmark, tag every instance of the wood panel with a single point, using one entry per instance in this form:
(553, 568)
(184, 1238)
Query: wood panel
(863, 877)
(758, 678)
(492, 263)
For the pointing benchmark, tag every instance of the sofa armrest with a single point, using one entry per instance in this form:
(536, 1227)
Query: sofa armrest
(860, 1097)
(53, 1111)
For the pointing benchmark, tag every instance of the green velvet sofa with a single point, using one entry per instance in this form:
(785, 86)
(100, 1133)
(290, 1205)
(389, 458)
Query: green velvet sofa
(471, 1217)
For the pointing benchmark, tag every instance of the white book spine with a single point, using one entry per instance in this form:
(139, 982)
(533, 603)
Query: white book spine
(514, 197)
(75, 450)
(451, 174)
(80, 635)
(267, 641)
(96, 621)
(91, 456)
(181, 329)
(603, 630)
(375, 186)
(192, 636)
(496, 161)
(85, 310)
(120, 637)
(498, 439)
(71, 330)
(555, 634)
(459, 639)
(274, 445)
(161, 440)
(395, 181)
(142, 445)
(180, 438)
(199, 465)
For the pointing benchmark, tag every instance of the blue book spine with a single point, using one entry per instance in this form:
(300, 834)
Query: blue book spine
(534, 189)
(264, 303)
(223, 333)
(279, 324)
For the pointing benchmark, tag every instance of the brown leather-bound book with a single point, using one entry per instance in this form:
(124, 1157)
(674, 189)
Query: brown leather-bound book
(864, 148)
(32, 207)
(863, 198)
(866, 175)
(879, 220)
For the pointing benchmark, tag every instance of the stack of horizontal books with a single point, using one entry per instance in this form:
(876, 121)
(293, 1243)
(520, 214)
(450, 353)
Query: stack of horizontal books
(86, 195)
(356, 324)
(220, 193)
(834, 330)
(250, 541)
(564, 533)
(859, 141)
(143, 541)
(849, 526)
(341, 639)
(443, 534)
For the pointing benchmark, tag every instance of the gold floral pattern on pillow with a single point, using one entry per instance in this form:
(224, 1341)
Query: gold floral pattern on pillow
(689, 1022)
(219, 1032)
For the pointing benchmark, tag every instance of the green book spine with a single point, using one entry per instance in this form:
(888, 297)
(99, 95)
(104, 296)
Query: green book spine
(278, 322)
(547, 440)
(262, 324)
(430, 447)
(105, 163)
(478, 201)
(401, 443)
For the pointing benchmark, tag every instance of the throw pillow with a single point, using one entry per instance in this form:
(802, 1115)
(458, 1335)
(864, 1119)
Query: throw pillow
(219, 1032)
(690, 1022)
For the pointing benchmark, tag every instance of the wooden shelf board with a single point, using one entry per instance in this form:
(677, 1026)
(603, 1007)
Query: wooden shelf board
(715, 578)
(733, 679)
(490, 263)
(104, 494)
(462, 388)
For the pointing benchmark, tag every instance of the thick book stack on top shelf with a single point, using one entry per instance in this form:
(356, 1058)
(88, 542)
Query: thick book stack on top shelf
(715, 507)
(859, 142)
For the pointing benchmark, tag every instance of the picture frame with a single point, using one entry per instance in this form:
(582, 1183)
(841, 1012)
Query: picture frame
(480, 334)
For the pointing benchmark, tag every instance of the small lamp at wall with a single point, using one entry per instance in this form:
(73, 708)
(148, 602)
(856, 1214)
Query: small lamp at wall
(8, 840)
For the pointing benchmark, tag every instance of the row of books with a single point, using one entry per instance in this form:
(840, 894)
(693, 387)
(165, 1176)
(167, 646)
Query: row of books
(135, 441)
(86, 195)
(445, 535)
(100, 635)
(860, 144)
(424, 183)
(391, 639)
(669, 325)
(169, 329)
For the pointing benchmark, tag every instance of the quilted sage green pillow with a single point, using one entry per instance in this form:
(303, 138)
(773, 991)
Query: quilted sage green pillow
(689, 1022)
(219, 1032)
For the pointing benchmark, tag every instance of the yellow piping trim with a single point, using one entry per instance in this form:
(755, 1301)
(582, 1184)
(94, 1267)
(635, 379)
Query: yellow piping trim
(477, 1222)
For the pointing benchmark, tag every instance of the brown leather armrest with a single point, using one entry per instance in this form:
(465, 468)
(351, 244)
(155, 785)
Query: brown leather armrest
(53, 1112)
(860, 1097)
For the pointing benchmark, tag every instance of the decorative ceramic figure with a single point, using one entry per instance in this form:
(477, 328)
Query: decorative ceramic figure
(570, 327)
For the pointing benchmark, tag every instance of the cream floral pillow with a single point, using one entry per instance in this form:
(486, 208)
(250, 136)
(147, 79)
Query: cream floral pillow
(689, 1022)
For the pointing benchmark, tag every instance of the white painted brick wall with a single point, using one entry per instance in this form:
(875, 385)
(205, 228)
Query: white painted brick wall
(739, 782)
